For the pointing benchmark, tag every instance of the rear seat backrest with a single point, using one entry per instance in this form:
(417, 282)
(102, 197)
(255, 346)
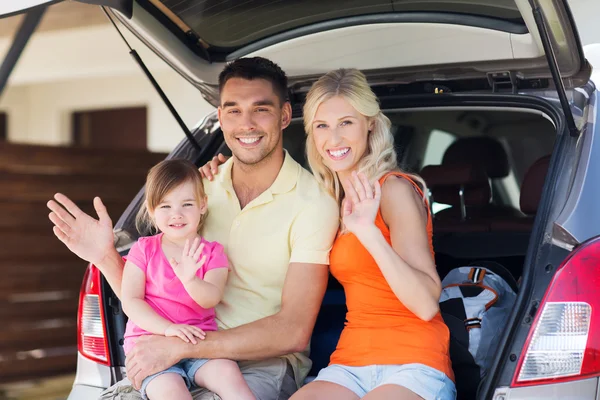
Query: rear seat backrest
(531, 192)
(445, 184)
(531, 188)
(479, 151)
(489, 154)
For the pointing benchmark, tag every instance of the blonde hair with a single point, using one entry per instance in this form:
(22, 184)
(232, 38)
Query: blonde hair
(380, 157)
(162, 179)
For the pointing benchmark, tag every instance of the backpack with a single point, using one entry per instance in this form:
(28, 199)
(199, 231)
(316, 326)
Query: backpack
(475, 303)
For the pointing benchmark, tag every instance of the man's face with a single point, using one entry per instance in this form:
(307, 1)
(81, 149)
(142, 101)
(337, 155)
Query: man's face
(252, 119)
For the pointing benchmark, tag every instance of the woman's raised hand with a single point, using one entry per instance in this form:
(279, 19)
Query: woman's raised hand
(361, 204)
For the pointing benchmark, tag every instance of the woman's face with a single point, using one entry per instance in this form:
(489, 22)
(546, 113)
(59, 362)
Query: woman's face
(340, 134)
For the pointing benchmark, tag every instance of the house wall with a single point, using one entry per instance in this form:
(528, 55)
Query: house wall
(76, 69)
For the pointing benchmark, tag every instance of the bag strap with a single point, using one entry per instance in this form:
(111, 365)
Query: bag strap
(471, 323)
(476, 275)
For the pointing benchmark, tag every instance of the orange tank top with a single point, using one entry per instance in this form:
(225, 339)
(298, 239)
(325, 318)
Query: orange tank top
(379, 328)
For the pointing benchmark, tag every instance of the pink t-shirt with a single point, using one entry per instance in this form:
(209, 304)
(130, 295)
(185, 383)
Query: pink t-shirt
(165, 292)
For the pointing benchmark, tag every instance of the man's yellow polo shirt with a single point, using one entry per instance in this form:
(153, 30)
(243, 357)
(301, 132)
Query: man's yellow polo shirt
(294, 221)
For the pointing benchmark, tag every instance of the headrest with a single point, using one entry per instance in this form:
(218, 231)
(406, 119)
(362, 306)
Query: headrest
(482, 151)
(445, 182)
(533, 182)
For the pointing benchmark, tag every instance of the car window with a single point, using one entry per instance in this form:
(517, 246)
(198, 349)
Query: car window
(228, 25)
(437, 144)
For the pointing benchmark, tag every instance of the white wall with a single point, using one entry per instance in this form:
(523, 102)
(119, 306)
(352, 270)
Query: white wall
(586, 14)
(41, 113)
(90, 68)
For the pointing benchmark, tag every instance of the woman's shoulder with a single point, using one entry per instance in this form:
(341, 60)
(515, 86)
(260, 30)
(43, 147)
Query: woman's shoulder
(399, 190)
(399, 184)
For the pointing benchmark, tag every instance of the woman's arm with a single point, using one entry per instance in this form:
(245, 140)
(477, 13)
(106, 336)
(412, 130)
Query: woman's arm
(407, 264)
(133, 290)
(208, 293)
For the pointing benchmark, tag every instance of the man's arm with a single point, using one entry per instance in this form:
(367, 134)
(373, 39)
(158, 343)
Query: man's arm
(88, 238)
(285, 332)
(112, 268)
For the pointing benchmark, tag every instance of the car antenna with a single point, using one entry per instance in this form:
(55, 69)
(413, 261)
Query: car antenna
(161, 93)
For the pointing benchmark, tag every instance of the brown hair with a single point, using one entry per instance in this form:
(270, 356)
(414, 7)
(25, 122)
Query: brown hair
(162, 178)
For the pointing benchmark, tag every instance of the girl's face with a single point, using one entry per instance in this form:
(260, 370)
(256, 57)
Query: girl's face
(340, 134)
(179, 212)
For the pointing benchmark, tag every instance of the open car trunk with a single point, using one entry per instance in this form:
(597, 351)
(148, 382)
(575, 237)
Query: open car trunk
(514, 142)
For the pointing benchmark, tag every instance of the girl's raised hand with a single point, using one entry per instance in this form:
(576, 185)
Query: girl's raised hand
(191, 262)
(187, 333)
(361, 204)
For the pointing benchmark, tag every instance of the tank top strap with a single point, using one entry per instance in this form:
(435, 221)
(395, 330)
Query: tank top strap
(416, 186)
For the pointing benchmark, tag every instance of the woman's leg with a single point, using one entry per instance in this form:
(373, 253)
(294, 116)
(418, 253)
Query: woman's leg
(225, 379)
(318, 390)
(385, 392)
(412, 382)
(168, 386)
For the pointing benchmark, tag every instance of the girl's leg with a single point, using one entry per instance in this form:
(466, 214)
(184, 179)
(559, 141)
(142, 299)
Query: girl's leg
(225, 379)
(168, 386)
(322, 390)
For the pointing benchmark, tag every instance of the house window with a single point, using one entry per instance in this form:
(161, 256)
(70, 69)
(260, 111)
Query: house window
(115, 128)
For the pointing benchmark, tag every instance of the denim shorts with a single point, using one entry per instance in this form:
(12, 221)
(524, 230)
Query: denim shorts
(427, 382)
(187, 368)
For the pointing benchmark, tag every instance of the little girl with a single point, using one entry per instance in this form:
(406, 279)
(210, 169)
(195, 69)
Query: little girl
(173, 280)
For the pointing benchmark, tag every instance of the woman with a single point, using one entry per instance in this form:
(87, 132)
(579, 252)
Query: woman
(395, 343)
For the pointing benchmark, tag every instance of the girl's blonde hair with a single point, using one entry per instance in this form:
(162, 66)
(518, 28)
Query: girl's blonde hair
(380, 157)
(162, 178)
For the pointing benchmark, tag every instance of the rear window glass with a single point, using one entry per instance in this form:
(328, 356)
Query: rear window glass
(231, 24)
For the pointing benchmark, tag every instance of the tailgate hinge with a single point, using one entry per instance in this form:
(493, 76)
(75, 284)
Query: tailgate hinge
(502, 80)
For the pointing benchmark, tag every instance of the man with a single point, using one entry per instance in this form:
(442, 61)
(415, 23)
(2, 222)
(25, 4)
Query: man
(277, 226)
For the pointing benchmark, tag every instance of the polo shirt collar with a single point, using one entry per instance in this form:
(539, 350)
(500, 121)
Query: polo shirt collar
(286, 179)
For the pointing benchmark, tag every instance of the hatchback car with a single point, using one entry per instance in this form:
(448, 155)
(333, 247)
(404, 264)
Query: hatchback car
(501, 85)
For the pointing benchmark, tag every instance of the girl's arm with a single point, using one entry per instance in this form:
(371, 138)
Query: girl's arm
(407, 264)
(207, 293)
(133, 290)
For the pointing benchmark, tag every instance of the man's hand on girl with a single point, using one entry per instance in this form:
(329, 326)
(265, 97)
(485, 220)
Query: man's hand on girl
(187, 333)
(190, 262)
(209, 170)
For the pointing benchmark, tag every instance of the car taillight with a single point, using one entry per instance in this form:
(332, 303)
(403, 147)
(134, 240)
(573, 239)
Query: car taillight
(564, 340)
(91, 331)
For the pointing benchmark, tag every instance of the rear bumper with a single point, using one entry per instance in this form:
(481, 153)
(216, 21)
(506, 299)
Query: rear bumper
(584, 389)
(84, 392)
